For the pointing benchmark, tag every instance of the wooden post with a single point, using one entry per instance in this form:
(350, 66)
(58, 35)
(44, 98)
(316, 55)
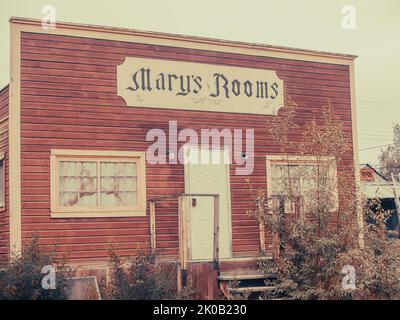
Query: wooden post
(178, 277)
(153, 227)
(183, 237)
(261, 227)
(216, 232)
(396, 202)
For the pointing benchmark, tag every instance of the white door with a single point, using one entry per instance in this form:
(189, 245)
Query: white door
(210, 176)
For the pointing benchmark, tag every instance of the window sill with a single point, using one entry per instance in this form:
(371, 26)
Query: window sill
(109, 214)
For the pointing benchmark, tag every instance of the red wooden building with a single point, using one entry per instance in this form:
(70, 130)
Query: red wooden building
(75, 124)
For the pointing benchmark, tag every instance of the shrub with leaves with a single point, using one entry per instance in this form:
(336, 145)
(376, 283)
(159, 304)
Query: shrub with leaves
(377, 264)
(140, 278)
(324, 230)
(21, 276)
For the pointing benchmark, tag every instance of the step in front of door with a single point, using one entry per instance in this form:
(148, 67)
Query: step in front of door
(246, 284)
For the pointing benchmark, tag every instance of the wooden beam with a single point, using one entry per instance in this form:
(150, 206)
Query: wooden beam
(216, 232)
(261, 227)
(153, 227)
(178, 277)
(183, 234)
(262, 237)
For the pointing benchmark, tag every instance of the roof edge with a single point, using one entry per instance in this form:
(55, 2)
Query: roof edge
(4, 88)
(184, 38)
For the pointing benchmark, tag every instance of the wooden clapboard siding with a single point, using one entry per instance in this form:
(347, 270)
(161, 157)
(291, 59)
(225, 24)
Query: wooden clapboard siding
(4, 214)
(69, 100)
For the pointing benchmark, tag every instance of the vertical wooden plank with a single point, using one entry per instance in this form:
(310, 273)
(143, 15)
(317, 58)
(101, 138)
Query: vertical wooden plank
(178, 277)
(181, 246)
(180, 218)
(262, 236)
(183, 239)
(261, 228)
(153, 227)
(185, 234)
(216, 232)
(204, 279)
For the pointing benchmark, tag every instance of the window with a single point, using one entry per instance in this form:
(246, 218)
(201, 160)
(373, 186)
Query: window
(298, 184)
(2, 181)
(97, 184)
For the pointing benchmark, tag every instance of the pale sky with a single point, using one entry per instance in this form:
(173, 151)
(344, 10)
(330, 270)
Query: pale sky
(308, 24)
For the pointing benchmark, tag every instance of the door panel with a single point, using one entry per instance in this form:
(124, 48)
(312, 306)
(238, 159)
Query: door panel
(208, 178)
(201, 229)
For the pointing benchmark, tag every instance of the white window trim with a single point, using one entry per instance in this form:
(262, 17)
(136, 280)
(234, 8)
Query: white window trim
(283, 159)
(98, 212)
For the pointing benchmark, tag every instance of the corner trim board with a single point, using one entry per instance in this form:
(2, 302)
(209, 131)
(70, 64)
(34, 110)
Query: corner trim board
(15, 140)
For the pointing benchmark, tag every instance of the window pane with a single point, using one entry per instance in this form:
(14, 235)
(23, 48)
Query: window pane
(127, 184)
(131, 168)
(78, 183)
(88, 184)
(68, 168)
(88, 199)
(109, 169)
(127, 169)
(109, 199)
(69, 184)
(88, 169)
(69, 199)
(286, 179)
(108, 184)
(88, 194)
(127, 198)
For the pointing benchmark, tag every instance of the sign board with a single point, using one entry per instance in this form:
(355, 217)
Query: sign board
(155, 83)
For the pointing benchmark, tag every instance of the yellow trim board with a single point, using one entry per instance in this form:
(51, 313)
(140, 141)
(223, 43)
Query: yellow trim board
(181, 41)
(14, 140)
(354, 126)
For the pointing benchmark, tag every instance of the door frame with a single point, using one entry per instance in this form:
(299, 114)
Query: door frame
(225, 151)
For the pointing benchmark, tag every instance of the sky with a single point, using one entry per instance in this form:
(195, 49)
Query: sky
(374, 35)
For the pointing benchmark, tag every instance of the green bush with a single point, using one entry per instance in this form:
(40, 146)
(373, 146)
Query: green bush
(21, 276)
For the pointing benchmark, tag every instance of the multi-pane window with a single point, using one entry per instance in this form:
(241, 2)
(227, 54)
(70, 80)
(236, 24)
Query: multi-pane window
(301, 186)
(99, 184)
(91, 184)
(118, 184)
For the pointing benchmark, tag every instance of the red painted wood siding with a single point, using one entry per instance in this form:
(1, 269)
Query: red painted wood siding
(4, 214)
(69, 100)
